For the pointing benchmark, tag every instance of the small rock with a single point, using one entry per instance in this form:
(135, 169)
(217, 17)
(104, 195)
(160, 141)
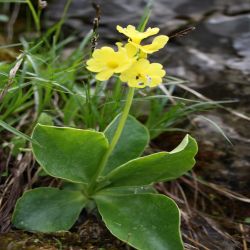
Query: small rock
(242, 44)
(205, 60)
(228, 26)
(241, 65)
(236, 9)
(194, 7)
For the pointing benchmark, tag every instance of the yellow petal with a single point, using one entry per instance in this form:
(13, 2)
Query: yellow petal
(104, 51)
(104, 75)
(151, 32)
(135, 35)
(133, 83)
(131, 49)
(122, 68)
(130, 30)
(156, 69)
(143, 64)
(119, 45)
(158, 43)
(95, 66)
(155, 81)
(143, 54)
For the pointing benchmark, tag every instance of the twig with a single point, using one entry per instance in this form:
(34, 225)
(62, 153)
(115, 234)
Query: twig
(202, 97)
(224, 191)
(12, 22)
(95, 25)
(183, 32)
(196, 242)
(243, 237)
(12, 75)
(167, 93)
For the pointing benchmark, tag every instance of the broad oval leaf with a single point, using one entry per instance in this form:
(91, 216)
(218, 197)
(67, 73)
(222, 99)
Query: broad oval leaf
(130, 190)
(157, 167)
(133, 140)
(69, 153)
(48, 209)
(144, 221)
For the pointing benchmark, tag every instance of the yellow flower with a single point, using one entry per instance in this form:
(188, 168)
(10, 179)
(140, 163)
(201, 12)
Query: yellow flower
(143, 73)
(135, 35)
(135, 38)
(158, 43)
(106, 62)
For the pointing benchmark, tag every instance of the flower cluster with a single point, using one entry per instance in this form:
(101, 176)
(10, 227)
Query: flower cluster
(130, 60)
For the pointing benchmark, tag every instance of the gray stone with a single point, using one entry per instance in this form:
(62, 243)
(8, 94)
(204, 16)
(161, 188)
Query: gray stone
(205, 60)
(228, 26)
(194, 7)
(242, 44)
(239, 8)
(242, 65)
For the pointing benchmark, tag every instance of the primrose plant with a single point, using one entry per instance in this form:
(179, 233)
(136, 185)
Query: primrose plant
(106, 168)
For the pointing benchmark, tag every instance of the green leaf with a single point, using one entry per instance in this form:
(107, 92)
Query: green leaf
(130, 190)
(144, 221)
(17, 143)
(157, 167)
(45, 119)
(133, 140)
(4, 18)
(68, 153)
(247, 220)
(48, 209)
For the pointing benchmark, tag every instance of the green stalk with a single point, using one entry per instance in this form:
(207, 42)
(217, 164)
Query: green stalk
(121, 124)
(34, 14)
(62, 20)
(116, 137)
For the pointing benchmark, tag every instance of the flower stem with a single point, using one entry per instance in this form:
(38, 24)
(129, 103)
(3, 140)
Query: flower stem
(122, 121)
(115, 138)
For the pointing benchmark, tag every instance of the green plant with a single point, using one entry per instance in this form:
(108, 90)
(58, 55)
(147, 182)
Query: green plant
(106, 168)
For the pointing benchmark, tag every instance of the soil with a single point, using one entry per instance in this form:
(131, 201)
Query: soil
(92, 234)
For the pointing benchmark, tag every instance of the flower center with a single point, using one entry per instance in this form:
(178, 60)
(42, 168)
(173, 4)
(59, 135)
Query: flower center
(138, 76)
(112, 64)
